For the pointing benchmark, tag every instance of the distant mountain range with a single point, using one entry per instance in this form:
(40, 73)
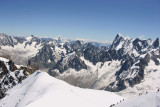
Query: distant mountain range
(127, 66)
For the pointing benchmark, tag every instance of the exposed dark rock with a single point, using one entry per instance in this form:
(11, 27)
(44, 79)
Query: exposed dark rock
(125, 66)
(12, 67)
(74, 63)
(140, 44)
(77, 64)
(3, 69)
(8, 80)
(156, 43)
(118, 39)
(7, 40)
(76, 45)
(116, 87)
(92, 53)
(45, 54)
(20, 39)
(144, 62)
(33, 39)
(137, 79)
(155, 58)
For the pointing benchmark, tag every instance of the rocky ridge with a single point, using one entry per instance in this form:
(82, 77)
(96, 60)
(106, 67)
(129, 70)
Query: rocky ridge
(11, 74)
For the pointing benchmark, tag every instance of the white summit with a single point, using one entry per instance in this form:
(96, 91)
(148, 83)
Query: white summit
(42, 90)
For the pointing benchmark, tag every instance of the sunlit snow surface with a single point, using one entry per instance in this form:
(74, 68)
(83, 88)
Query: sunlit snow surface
(21, 52)
(145, 100)
(42, 90)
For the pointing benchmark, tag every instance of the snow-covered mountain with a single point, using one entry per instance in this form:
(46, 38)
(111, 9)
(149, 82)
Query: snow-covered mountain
(125, 67)
(21, 49)
(42, 90)
(7, 40)
(11, 74)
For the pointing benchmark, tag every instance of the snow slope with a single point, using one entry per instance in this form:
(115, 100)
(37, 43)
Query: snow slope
(11, 75)
(106, 74)
(21, 52)
(145, 100)
(42, 90)
(150, 83)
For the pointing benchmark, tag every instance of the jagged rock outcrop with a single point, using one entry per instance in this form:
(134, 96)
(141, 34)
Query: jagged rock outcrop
(156, 43)
(45, 58)
(7, 40)
(12, 75)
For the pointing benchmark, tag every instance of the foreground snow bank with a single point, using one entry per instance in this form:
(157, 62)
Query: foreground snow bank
(42, 90)
(146, 100)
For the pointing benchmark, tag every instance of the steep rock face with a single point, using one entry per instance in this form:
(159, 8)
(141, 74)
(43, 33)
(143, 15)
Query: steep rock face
(133, 66)
(45, 58)
(11, 74)
(3, 69)
(7, 40)
(20, 39)
(139, 45)
(91, 53)
(118, 41)
(31, 40)
(156, 43)
(73, 62)
(20, 49)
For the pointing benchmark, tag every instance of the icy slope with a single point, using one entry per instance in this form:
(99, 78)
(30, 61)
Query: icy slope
(11, 74)
(145, 100)
(21, 52)
(42, 90)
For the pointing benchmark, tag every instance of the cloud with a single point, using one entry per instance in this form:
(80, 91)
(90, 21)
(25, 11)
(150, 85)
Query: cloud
(141, 37)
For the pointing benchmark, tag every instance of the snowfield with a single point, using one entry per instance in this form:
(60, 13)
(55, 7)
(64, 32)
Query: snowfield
(42, 90)
(145, 100)
(21, 52)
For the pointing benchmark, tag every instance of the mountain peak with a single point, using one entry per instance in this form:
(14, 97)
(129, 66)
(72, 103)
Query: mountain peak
(29, 38)
(117, 42)
(7, 40)
(156, 43)
(119, 35)
(32, 36)
(2, 35)
(60, 39)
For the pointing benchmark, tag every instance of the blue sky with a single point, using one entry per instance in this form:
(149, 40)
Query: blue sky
(89, 19)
